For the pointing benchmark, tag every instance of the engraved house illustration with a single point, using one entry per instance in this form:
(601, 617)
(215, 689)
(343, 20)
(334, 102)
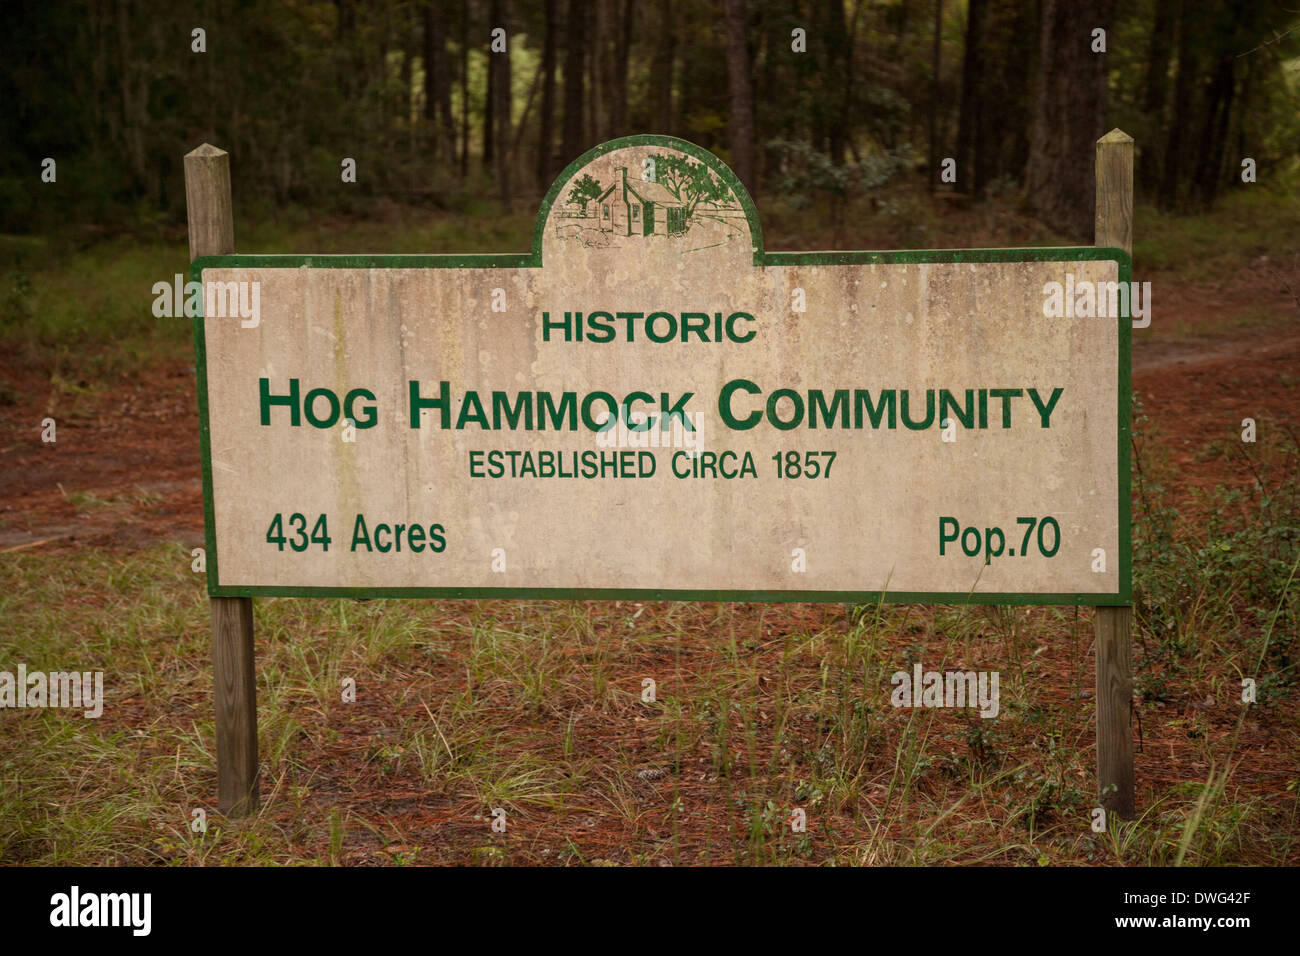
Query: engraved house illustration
(640, 209)
(675, 198)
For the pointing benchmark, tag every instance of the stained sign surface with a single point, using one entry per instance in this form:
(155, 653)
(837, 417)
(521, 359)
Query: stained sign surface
(648, 404)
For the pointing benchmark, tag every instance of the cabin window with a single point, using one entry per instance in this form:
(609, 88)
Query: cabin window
(636, 213)
(607, 212)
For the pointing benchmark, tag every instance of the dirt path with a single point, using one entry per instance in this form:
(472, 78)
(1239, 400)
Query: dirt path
(1208, 368)
(123, 472)
(1154, 357)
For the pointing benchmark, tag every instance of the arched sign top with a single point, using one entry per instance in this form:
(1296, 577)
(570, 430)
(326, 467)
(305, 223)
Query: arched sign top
(657, 197)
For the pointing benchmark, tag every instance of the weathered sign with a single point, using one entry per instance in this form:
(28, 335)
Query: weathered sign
(649, 405)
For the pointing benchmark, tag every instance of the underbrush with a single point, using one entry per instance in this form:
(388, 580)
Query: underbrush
(1218, 583)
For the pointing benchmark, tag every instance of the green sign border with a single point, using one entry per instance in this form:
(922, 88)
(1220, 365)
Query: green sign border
(533, 260)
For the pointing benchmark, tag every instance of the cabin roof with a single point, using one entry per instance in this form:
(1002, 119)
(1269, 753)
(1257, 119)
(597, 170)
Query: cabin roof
(652, 192)
(644, 192)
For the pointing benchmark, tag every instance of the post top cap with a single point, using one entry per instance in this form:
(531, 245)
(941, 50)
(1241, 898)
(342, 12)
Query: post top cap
(1116, 135)
(207, 149)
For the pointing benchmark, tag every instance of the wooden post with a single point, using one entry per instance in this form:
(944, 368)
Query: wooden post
(234, 685)
(1113, 626)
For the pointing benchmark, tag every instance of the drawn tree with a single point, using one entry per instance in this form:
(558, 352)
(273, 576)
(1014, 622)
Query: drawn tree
(690, 182)
(583, 191)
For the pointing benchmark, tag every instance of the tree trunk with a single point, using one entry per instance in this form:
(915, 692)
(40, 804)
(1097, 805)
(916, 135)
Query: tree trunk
(546, 126)
(1004, 133)
(1239, 135)
(767, 159)
(431, 63)
(935, 64)
(410, 44)
(520, 126)
(1069, 116)
(490, 94)
(1156, 90)
(464, 89)
(741, 124)
(972, 101)
(595, 61)
(817, 49)
(378, 80)
(500, 63)
(1172, 175)
(837, 49)
(351, 56)
(661, 72)
(1214, 131)
(437, 81)
(574, 135)
(846, 107)
(622, 53)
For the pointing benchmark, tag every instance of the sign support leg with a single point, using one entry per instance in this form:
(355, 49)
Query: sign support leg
(1113, 626)
(235, 688)
(234, 684)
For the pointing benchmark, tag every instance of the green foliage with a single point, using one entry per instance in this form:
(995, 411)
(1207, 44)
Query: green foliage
(886, 113)
(805, 169)
(690, 181)
(583, 191)
(291, 87)
(1234, 569)
(15, 302)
